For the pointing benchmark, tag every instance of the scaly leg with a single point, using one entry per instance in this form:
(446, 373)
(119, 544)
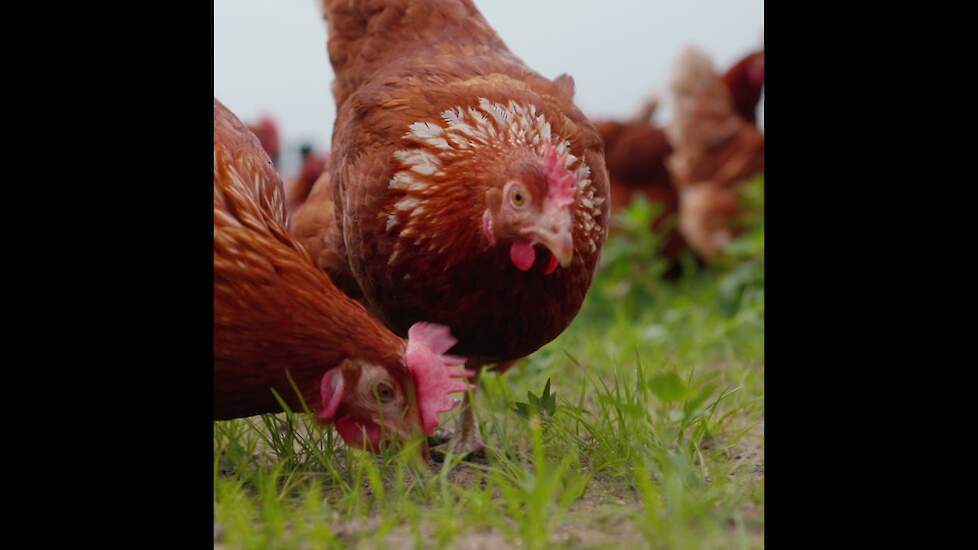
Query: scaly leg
(467, 438)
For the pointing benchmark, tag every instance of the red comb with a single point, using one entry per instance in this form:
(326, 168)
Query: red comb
(560, 181)
(434, 380)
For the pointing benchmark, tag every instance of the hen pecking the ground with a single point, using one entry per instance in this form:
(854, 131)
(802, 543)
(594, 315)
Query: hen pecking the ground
(278, 320)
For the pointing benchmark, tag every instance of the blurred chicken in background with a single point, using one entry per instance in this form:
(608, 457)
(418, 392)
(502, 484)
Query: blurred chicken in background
(267, 131)
(710, 111)
(313, 165)
(635, 153)
(715, 149)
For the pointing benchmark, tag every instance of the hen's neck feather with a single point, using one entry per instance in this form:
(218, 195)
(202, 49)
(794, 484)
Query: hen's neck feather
(440, 196)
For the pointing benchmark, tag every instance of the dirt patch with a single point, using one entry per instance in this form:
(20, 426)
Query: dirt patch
(358, 533)
(490, 539)
(747, 455)
(599, 527)
(611, 529)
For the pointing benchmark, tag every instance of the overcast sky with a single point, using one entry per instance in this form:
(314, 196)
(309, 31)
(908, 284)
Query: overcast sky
(270, 56)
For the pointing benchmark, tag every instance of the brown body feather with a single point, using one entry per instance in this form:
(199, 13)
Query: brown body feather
(274, 311)
(313, 224)
(401, 62)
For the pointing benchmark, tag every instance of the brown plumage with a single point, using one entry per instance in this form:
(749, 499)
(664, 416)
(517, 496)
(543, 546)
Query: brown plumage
(275, 313)
(715, 150)
(460, 179)
(433, 151)
(313, 224)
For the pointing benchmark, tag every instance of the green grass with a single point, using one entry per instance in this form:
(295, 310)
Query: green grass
(640, 426)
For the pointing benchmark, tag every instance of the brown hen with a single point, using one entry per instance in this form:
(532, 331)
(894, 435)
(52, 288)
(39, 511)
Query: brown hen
(278, 319)
(715, 151)
(468, 189)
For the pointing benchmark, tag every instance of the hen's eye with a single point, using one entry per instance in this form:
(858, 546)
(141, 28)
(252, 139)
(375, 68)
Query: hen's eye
(385, 392)
(518, 199)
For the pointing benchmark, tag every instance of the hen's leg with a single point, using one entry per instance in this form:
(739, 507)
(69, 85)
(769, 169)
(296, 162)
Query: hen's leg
(467, 438)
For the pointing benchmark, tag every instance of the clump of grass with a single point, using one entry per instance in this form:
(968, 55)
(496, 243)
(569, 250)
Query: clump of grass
(640, 426)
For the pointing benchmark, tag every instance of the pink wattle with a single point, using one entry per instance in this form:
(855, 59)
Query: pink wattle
(522, 254)
(359, 435)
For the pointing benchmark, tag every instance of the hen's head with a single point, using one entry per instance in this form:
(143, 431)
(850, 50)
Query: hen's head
(369, 403)
(495, 175)
(529, 204)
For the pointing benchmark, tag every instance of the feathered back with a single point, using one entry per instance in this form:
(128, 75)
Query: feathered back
(365, 35)
(246, 182)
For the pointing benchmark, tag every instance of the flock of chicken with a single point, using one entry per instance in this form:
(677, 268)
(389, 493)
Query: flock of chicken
(462, 208)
